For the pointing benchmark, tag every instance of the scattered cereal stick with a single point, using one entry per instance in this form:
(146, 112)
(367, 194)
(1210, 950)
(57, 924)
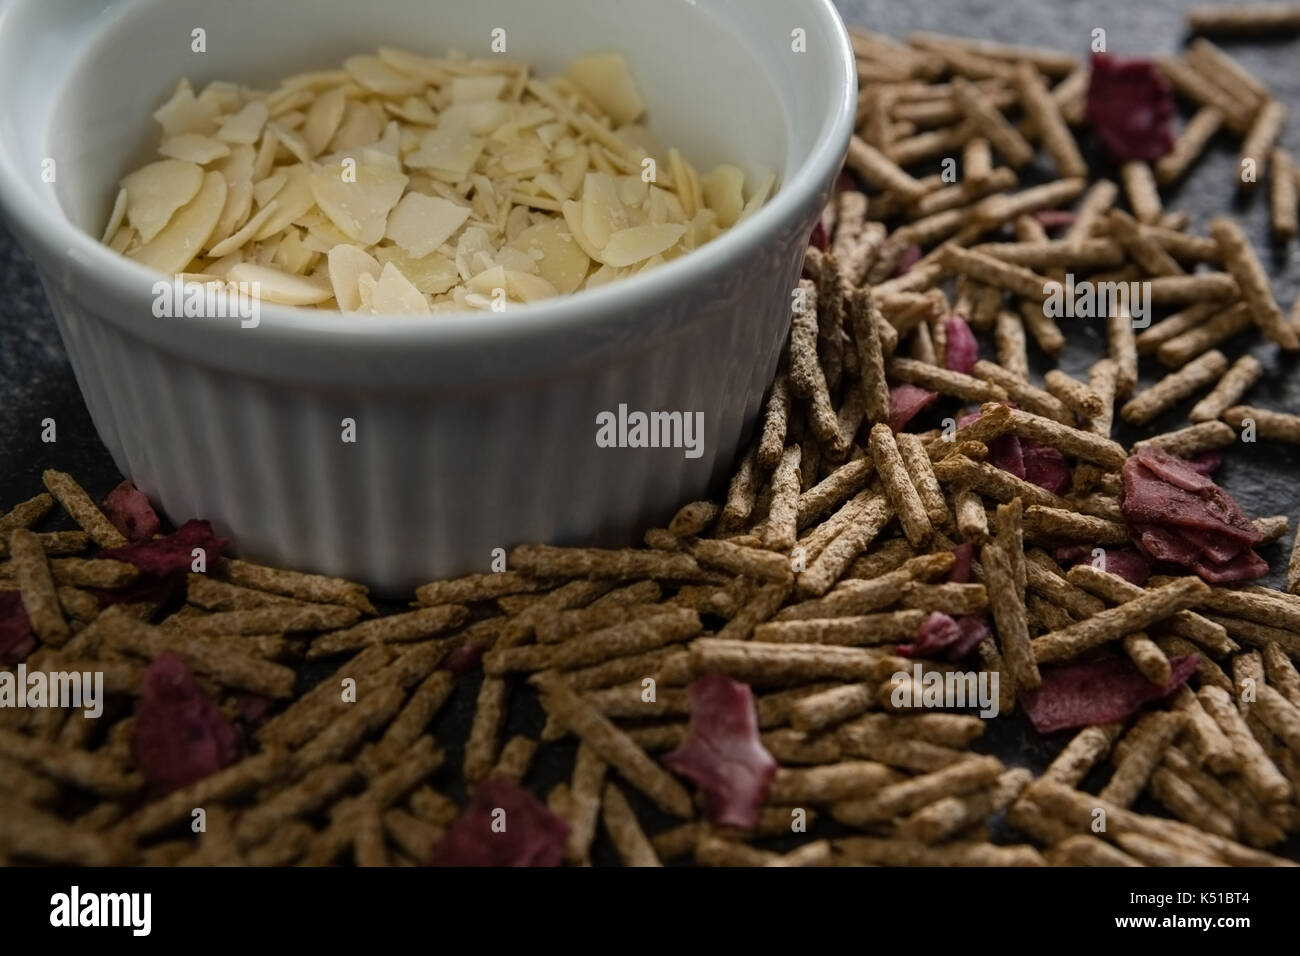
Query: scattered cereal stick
(625, 831)
(478, 587)
(315, 588)
(612, 745)
(1282, 196)
(1045, 114)
(29, 832)
(626, 564)
(1112, 624)
(879, 170)
(1123, 352)
(1146, 742)
(1009, 614)
(1245, 267)
(858, 630)
(1261, 138)
(1140, 188)
(40, 599)
(630, 637)
(83, 511)
(1278, 715)
(991, 124)
(1269, 425)
(1189, 146)
(1257, 770)
(905, 796)
(1219, 328)
(744, 487)
(26, 513)
(1238, 380)
(1259, 19)
(751, 562)
(903, 496)
(949, 816)
(1174, 387)
(889, 851)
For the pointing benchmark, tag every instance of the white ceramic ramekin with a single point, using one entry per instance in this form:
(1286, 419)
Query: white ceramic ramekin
(473, 432)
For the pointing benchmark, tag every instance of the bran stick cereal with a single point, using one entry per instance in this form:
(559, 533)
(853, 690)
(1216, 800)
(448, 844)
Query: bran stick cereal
(1010, 616)
(1234, 384)
(1245, 267)
(612, 745)
(1174, 387)
(1112, 624)
(39, 597)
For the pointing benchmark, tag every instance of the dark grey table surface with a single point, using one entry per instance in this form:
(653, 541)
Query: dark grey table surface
(36, 381)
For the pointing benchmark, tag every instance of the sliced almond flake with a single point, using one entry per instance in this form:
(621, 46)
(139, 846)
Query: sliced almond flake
(292, 142)
(412, 64)
(156, 191)
(413, 110)
(433, 274)
(287, 99)
(480, 117)
(528, 288)
(323, 119)
(573, 219)
(550, 134)
(283, 288)
(185, 113)
(474, 89)
(317, 80)
(366, 291)
(264, 162)
(116, 216)
(395, 295)
(235, 211)
(606, 79)
(360, 209)
(172, 249)
(223, 95)
(294, 199)
(361, 124)
(599, 160)
(246, 125)
(561, 261)
(762, 191)
(221, 267)
(376, 75)
(640, 139)
(681, 177)
(628, 246)
(699, 230)
(291, 120)
(724, 192)
(420, 224)
(516, 261)
(652, 263)
(604, 276)
(476, 300)
(574, 169)
(265, 190)
(194, 148)
(263, 253)
(292, 256)
(246, 232)
(632, 190)
(603, 213)
(517, 220)
(527, 157)
(536, 202)
(447, 149)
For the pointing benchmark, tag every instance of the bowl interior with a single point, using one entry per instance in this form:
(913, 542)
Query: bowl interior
(707, 91)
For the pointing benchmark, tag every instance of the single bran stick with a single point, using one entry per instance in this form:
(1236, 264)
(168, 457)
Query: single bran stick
(991, 124)
(1140, 188)
(1146, 743)
(1114, 623)
(1010, 617)
(1196, 375)
(1282, 196)
(39, 597)
(1189, 146)
(906, 500)
(865, 323)
(781, 529)
(1245, 267)
(1261, 138)
(1234, 384)
(1045, 114)
(625, 832)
